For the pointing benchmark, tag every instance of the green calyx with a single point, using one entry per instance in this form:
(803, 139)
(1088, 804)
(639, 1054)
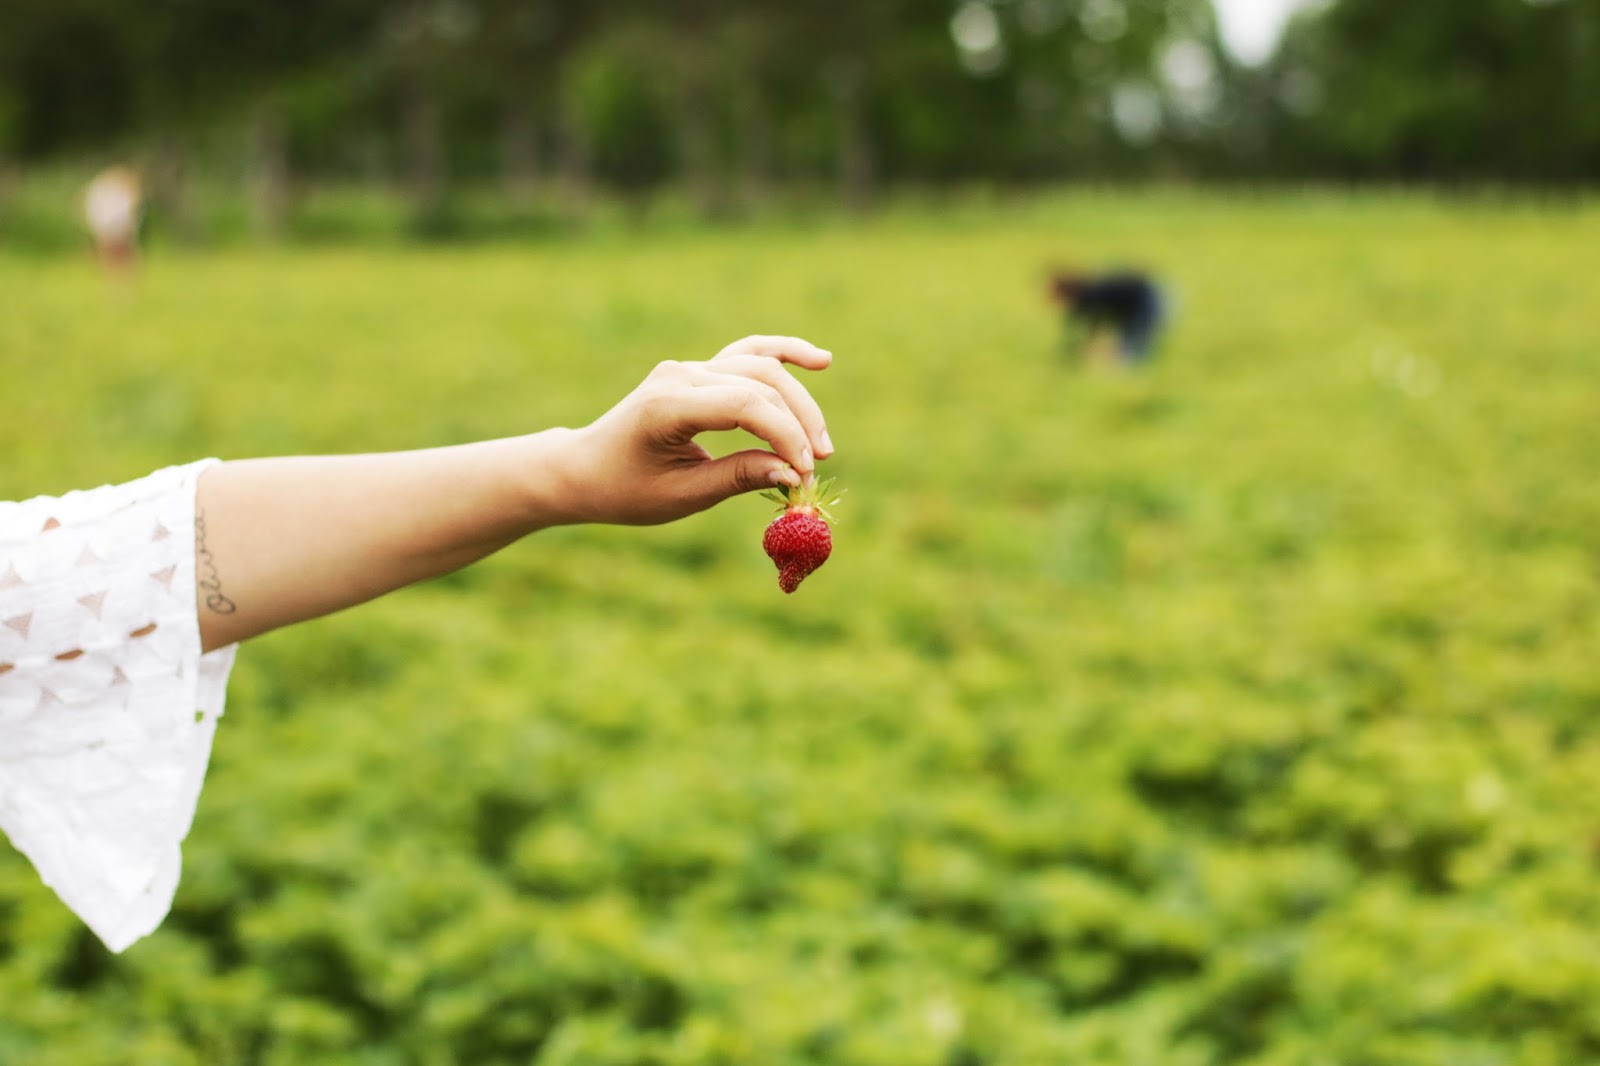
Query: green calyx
(809, 495)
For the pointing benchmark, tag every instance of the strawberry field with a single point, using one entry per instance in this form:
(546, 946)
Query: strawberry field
(1241, 711)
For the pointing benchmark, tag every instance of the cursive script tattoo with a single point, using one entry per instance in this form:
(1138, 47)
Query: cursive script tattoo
(206, 570)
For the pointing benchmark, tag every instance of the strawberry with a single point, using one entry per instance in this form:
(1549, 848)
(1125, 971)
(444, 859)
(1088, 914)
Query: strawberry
(798, 540)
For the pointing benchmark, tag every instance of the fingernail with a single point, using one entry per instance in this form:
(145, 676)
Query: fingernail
(785, 476)
(827, 444)
(806, 459)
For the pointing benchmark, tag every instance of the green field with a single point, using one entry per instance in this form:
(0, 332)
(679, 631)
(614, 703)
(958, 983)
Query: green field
(1243, 711)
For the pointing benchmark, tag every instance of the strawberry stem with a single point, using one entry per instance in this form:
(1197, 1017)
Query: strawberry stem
(808, 495)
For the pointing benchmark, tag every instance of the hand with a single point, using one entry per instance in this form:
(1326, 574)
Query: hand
(293, 538)
(639, 464)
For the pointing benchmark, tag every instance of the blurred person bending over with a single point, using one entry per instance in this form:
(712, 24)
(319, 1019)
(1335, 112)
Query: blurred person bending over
(1113, 318)
(121, 607)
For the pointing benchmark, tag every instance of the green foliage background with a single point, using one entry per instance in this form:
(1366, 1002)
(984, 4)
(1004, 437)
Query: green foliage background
(1242, 711)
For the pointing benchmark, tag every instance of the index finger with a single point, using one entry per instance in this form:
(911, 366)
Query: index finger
(787, 386)
(794, 350)
(708, 407)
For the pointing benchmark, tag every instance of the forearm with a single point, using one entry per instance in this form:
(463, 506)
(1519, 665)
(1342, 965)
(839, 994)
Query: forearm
(279, 541)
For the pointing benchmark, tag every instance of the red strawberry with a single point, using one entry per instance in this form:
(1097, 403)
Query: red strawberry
(798, 541)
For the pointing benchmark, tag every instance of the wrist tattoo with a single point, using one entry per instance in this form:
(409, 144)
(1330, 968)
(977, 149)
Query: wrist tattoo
(206, 570)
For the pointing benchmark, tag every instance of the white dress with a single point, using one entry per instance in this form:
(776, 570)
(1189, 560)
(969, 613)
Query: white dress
(107, 706)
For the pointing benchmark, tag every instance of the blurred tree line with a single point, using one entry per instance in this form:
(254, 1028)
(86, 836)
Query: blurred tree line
(730, 102)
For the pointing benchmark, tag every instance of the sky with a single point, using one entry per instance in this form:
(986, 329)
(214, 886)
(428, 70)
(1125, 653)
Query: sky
(1250, 28)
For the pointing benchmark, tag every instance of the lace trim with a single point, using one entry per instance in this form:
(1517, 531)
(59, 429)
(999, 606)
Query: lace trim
(107, 706)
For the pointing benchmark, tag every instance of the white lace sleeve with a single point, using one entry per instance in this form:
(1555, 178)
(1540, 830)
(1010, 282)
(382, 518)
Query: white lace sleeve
(107, 706)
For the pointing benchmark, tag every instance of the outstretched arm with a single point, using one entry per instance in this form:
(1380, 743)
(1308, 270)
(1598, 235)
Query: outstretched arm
(283, 540)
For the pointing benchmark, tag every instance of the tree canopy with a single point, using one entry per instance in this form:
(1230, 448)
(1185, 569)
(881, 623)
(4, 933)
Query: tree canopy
(729, 99)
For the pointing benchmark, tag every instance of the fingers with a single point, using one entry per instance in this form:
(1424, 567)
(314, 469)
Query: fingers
(707, 375)
(745, 387)
(775, 384)
(738, 406)
(740, 472)
(794, 350)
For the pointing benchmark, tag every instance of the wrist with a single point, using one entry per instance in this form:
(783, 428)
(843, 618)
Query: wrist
(550, 479)
(544, 477)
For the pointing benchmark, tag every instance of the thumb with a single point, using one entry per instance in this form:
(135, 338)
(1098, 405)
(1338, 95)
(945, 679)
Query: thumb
(745, 471)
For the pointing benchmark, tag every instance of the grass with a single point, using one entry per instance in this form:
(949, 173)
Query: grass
(1237, 711)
